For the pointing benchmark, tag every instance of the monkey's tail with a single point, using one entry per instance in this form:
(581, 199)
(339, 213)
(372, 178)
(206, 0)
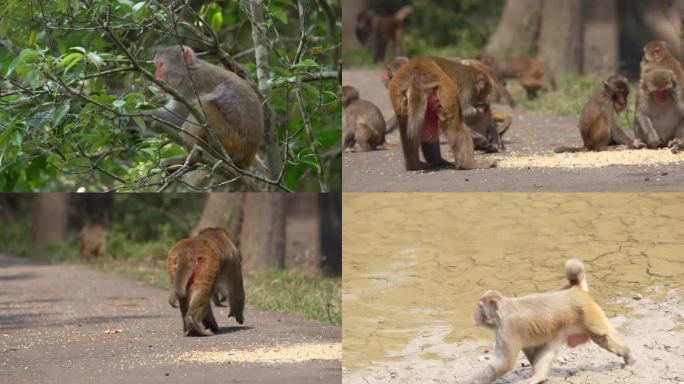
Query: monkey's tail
(403, 13)
(183, 276)
(574, 271)
(391, 124)
(417, 106)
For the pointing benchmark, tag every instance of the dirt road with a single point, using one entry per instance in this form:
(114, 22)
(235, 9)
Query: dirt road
(69, 324)
(528, 164)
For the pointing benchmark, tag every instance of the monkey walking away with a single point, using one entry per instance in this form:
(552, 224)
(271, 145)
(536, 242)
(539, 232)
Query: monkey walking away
(599, 124)
(362, 121)
(384, 28)
(429, 95)
(531, 73)
(200, 269)
(231, 106)
(541, 323)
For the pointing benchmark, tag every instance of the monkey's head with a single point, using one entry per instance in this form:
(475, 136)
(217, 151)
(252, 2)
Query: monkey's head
(617, 88)
(364, 25)
(487, 312)
(660, 83)
(655, 51)
(482, 87)
(349, 95)
(392, 67)
(485, 58)
(171, 65)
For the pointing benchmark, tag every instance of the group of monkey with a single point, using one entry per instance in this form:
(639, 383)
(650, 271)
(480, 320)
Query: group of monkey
(205, 268)
(452, 96)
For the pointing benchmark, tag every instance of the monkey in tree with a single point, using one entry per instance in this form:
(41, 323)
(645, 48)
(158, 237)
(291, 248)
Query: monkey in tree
(231, 106)
(599, 124)
(200, 269)
(659, 117)
(362, 121)
(540, 324)
(430, 94)
(532, 74)
(384, 28)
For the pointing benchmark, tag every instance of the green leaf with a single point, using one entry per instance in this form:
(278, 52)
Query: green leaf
(4, 26)
(69, 58)
(28, 55)
(33, 77)
(278, 13)
(12, 66)
(216, 22)
(140, 121)
(306, 63)
(80, 49)
(119, 103)
(95, 59)
(59, 114)
(6, 134)
(74, 6)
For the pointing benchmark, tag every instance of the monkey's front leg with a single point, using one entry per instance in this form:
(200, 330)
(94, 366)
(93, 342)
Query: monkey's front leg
(644, 132)
(677, 143)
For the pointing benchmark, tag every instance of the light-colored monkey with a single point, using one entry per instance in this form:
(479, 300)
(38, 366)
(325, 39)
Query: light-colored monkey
(362, 121)
(540, 324)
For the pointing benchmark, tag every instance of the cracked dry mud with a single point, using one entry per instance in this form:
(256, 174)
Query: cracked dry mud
(528, 164)
(69, 324)
(415, 264)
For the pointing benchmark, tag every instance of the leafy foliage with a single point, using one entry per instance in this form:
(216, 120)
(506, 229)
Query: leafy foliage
(72, 89)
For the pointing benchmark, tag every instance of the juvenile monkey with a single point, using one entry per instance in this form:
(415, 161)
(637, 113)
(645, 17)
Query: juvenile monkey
(362, 121)
(659, 117)
(426, 98)
(231, 106)
(200, 268)
(92, 239)
(657, 55)
(532, 74)
(384, 28)
(599, 124)
(540, 324)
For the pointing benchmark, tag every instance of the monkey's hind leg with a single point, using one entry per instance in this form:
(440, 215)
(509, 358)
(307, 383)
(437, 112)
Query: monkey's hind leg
(197, 311)
(602, 333)
(210, 322)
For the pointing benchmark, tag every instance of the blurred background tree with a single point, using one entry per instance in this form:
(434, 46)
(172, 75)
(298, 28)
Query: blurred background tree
(71, 90)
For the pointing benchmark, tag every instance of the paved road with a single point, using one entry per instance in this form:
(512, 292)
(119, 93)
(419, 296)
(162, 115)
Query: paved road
(531, 134)
(54, 321)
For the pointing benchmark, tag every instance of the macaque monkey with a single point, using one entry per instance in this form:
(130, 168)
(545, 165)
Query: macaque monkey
(598, 124)
(430, 94)
(385, 29)
(659, 117)
(657, 55)
(92, 239)
(362, 121)
(541, 323)
(531, 73)
(200, 269)
(231, 106)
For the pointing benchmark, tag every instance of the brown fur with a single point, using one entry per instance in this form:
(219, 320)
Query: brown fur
(362, 121)
(426, 98)
(92, 239)
(540, 324)
(659, 117)
(599, 124)
(384, 28)
(531, 73)
(199, 267)
(232, 107)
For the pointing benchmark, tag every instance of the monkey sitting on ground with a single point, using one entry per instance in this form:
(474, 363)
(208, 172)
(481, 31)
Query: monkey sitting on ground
(540, 324)
(362, 121)
(599, 124)
(231, 106)
(430, 94)
(92, 239)
(659, 117)
(532, 74)
(384, 28)
(200, 268)
(657, 55)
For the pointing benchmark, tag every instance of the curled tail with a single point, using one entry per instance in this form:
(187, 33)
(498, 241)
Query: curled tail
(417, 106)
(403, 12)
(574, 271)
(183, 276)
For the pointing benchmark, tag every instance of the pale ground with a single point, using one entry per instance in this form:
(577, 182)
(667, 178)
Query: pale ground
(651, 331)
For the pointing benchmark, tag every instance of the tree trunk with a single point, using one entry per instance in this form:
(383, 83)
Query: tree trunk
(262, 240)
(219, 209)
(517, 31)
(303, 249)
(560, 41)
(350, 9)
(273, 160)
(49, 218)
(601, 37)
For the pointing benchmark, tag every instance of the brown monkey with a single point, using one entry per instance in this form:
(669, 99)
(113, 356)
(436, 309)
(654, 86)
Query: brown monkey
(200, 268)
(659, 117)
(427, 97)
(487, 70)
(598, 124)
(92, 239)
(230, 104)
(540, 324)
(385, 28)
(532, 74)
(657, 55)
(362, 121)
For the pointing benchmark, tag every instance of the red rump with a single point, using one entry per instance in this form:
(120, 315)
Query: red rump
(659, 96)
(430, 131)
(576, 339)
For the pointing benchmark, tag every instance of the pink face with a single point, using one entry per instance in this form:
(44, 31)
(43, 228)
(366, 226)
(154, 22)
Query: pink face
(160, 73)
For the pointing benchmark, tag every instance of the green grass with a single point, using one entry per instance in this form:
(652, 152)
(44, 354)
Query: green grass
(317, 298)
